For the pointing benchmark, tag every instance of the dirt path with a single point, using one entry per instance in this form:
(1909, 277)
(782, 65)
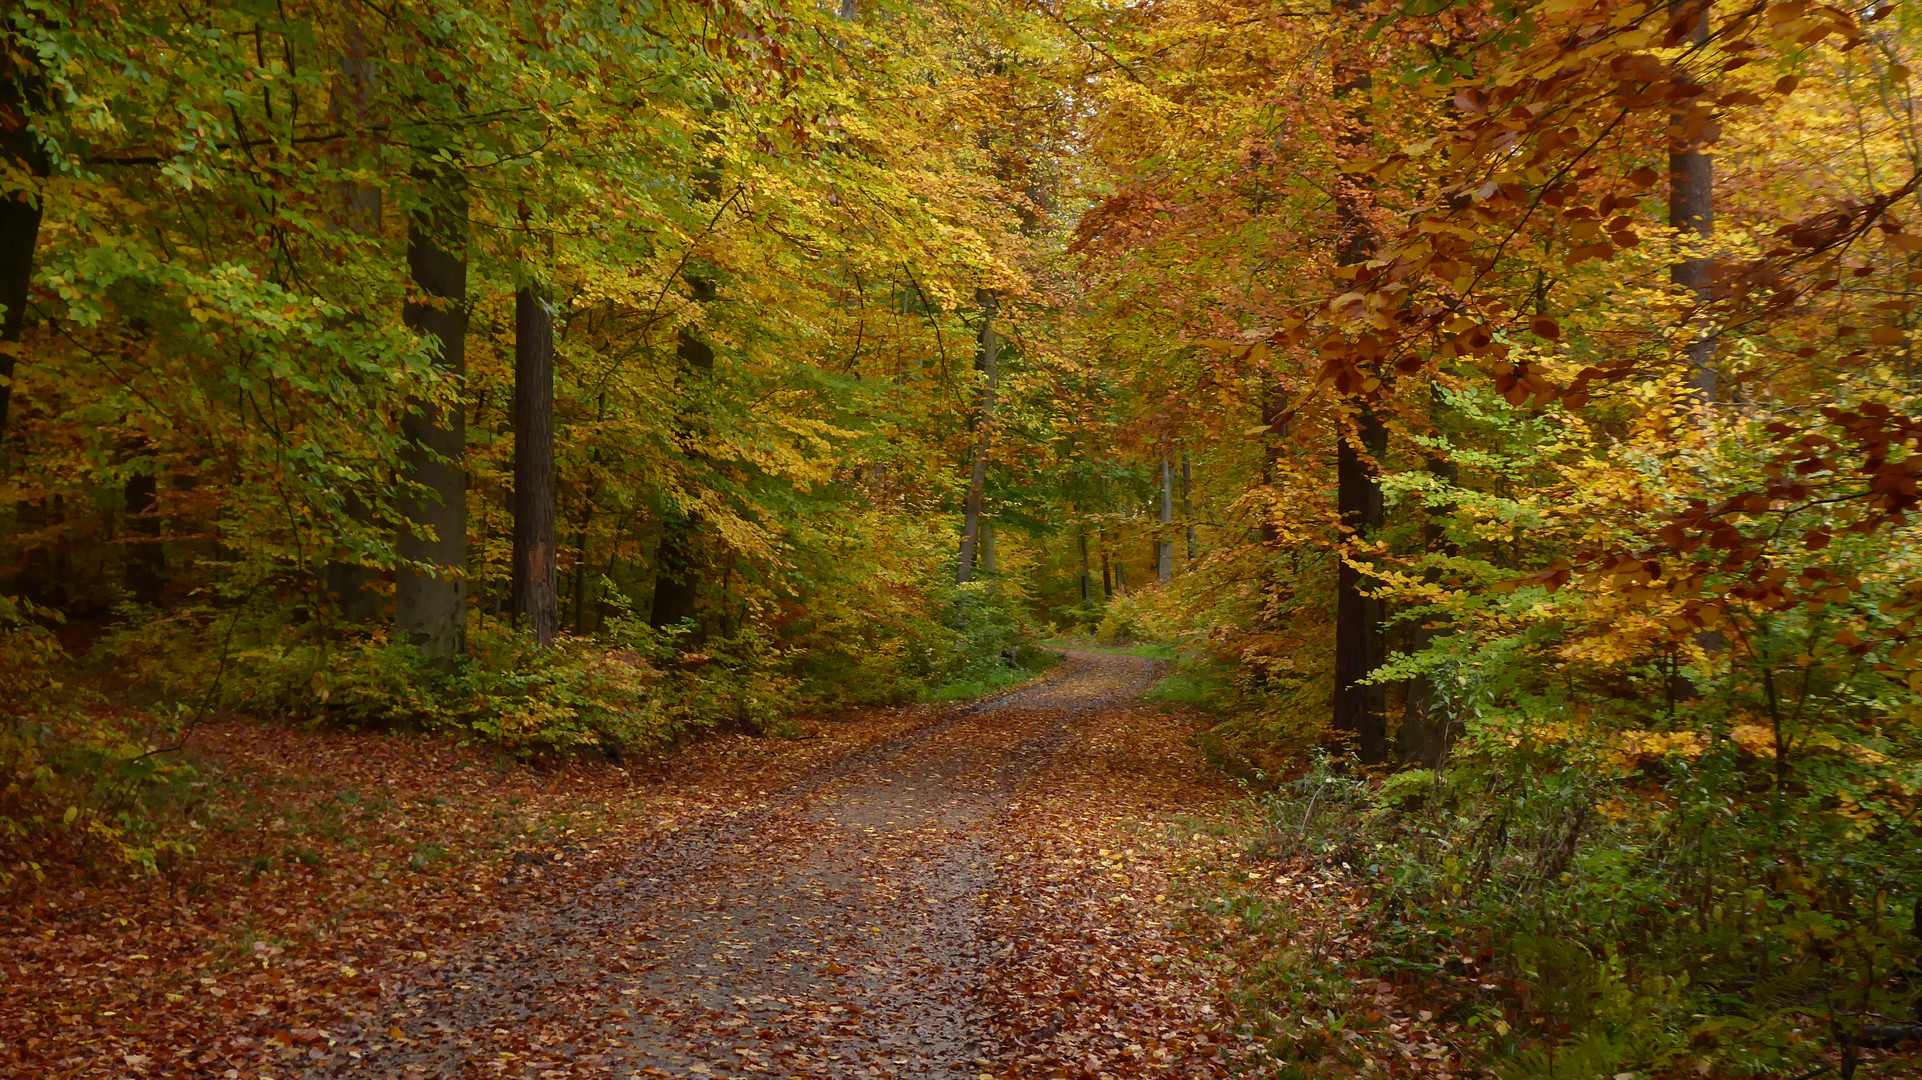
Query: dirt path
(942, 905)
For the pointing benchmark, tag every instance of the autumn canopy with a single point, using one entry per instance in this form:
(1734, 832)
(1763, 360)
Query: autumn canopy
(1504, 415)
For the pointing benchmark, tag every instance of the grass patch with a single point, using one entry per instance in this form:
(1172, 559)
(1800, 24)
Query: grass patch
(1151, 650)
(1032, 661)
(1192, 688)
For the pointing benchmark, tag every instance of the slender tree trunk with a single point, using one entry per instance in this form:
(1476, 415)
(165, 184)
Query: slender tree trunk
(1360, 709)
(988, 567)
(347, 580)
(677, 563)
(579, 592)
(1087, 586)
(1426, 727)
(1188, 505)
(430, 597)
(21, 97)
(145, 563)
(1691, 209)
(534, 595)
(1272, 404)
(986, 355)
(1165, 541)
(1107, 572)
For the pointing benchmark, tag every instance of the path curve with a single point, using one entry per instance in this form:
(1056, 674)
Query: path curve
(862, 921)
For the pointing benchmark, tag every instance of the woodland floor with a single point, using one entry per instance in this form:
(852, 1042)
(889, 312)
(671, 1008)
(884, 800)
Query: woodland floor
(961, 892)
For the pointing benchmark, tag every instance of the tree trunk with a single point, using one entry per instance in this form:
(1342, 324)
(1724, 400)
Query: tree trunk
(1188, 505)
(1691, 209)
(677, 575)
(1107, 572)
(1360, 709)
(1273, 402)
(347, 580)
(430, 596)
(988, 567)
(534, 596)
(1087, 584)
(1165, 542)
(986, 356)
(145, 563)
(677, 565)
(21, 95)
(1426, 727)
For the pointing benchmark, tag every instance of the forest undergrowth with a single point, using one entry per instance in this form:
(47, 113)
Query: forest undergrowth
(297, 872)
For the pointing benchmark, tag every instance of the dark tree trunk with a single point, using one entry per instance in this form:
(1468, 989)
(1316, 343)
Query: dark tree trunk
(1188, 505)
(347, 580)
(986, 356)
(1427, 729)
(1107, 572)
(1087, 585)
(534, 595)
(21, 96)
(677, 563)
(430, 598)
(1360, 708)
(146, 561)
(1691, 208)
(677, 575)
(1165, 541)
(579, 592)
(1272, 404)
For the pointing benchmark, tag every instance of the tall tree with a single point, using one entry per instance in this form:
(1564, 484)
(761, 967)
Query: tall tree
(677, 565)
(987, 347)
(1360, 707)
(348, 580)
(1165, 537)
(534, 597)
(1188, 504)
(430, 590)
(1691, 200)
(22, 95)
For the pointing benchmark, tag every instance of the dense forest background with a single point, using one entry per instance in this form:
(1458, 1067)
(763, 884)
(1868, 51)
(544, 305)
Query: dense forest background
(1505, 414)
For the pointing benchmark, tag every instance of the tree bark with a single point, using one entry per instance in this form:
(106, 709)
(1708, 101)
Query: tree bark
(1360, 709)
(1087, 585)
(677, 564)
(1426, 728)
(987, 348)
(534, 595)
(677, 575)
(1272, 404)
(430, 596)
(1165, 542)
(1188, 505)
(145, 563)
(21, 95)
(1691, 209)
(347, 580)
(1107, 572)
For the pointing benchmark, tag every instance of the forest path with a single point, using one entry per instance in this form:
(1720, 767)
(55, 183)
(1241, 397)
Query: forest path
(939, 905)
